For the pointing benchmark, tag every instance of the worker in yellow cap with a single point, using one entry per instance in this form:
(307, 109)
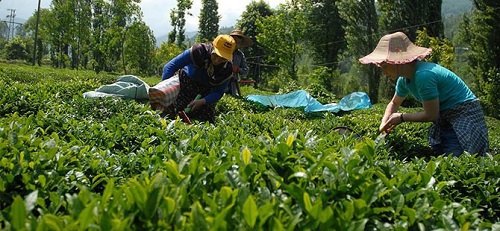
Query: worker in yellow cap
(203, 69)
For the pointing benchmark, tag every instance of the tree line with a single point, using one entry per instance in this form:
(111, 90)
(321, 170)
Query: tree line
(303, 43)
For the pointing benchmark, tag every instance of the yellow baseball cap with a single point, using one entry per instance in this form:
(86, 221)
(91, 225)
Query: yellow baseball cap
(224, 46)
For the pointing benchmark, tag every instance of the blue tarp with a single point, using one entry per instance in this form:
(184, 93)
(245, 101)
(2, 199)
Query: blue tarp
(300, 98)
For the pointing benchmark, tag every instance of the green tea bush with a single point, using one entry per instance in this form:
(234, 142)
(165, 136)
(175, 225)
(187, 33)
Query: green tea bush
(70, 163)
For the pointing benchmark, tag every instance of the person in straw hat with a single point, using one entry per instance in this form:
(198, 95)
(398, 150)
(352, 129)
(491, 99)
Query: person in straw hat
(240, 67)
(203, 69)
(458, 120)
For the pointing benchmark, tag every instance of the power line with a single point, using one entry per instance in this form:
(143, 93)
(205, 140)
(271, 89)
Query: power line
(398, 29)
(264, 65)
(385, 32)
(340, 41)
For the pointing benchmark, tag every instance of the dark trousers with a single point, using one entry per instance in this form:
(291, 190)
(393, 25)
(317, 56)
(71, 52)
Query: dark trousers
(189, 90)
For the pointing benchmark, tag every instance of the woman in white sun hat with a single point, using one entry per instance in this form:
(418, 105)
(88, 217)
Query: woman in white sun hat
(458, 120)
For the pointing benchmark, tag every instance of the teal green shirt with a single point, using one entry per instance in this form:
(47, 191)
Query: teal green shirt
(433, 81)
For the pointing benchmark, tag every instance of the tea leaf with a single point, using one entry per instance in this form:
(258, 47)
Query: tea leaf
(326, 215)
(317, 209)
(358, 225)
(360, 208)
(397, 200)
(250, 211)
(108, 191)
(265, 211)
(86, 216)
(42, 180)
(277, 225)
(18, 214)
(289, 140)
(51, 222)
(246, 156)
(170, 205)
(307, 202)
(411, 214)
(153, 201)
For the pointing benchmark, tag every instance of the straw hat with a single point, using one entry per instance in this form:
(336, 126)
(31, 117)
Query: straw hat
(395, 48)
(224, 46)
(247, 41)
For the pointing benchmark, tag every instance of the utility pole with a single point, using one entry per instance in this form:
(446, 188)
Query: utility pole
(11, 22)
(36, 31)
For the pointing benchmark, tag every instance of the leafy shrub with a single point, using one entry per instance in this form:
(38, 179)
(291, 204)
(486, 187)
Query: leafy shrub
(320, 93)
(289, 87)
(16, 49)
(72, 163)
(492, 99)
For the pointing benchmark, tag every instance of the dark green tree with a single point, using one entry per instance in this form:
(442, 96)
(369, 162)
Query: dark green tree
(80, 49)
(139, 50)
(69, 26)
(166, 52)
(209, 21)
(325, 32)
(434, 23)
(43, 33)
(61, 29)
(482, 32)
(124, 13)
(85, 25)
(409, 16)
(361, 33)
(4, 30)
(100, 18)
(254, 12)
(282, 35)
(442, 49)
(178, 22)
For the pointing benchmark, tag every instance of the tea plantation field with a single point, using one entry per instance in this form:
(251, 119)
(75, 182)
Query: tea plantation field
(70, 163)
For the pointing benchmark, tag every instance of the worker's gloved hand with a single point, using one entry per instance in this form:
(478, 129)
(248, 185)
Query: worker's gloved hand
(196, 104)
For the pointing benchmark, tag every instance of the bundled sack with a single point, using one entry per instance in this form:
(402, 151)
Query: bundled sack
(164, 93)
(126, 87)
